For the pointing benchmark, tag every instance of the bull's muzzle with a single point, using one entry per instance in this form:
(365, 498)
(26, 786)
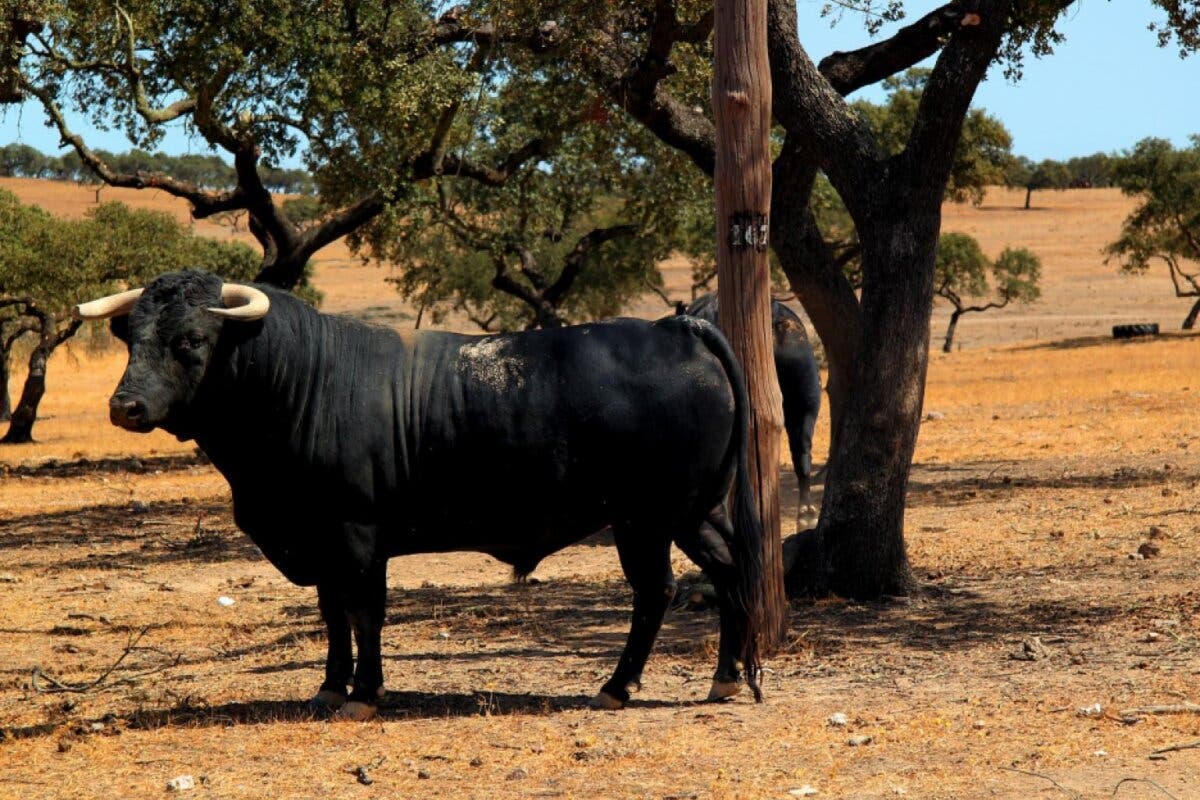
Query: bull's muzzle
(129, 413)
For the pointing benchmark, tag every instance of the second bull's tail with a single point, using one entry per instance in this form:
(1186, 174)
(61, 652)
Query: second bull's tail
(746, 545)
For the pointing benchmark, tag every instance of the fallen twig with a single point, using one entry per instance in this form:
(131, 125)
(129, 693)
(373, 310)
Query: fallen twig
(56, 686)
(1123, 781)
(1178, 708)
(1174, 747)
(1071, 792)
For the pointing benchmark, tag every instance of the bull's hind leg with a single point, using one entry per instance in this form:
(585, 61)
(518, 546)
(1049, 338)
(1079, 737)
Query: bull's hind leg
(646, 560)
(340, 661)
(706, 546)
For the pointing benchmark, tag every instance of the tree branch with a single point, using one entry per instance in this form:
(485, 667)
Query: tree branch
(575, 260)
(204, 203)
(809, 108)
(852, 70)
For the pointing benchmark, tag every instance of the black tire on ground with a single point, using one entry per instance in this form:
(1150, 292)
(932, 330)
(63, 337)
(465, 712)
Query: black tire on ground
(1130, 331)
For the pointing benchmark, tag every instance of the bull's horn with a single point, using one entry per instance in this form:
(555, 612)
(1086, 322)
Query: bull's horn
(242, 303)
(112, 306)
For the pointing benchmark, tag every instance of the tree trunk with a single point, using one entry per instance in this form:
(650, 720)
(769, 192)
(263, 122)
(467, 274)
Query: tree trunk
(1189, 321)
(20, 429)
(861, 531)
(5, 395)
(742, 107)
(815, 277)
(950, 330)
(1028, 196)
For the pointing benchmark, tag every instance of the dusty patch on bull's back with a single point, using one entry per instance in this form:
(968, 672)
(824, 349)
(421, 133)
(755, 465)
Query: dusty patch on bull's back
(491, 362)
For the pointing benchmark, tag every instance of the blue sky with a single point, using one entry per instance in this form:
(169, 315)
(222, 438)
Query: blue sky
(1108, 86)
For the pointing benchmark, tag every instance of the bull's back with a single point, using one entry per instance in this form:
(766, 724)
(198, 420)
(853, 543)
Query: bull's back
(558, 433)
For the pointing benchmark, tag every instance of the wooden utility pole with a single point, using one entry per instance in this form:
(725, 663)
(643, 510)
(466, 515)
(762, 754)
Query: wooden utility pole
(742, 106)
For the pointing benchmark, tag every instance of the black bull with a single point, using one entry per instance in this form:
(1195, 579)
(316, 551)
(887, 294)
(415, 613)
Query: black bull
(799, 383)
(345, 445)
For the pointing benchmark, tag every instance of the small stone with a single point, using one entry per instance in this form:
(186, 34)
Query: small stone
(1156, 532)
(858, 741)
(1030, 649)
(1149, 550)
(7, 577)
(138, 507)
(476, 762)
(978, 724)
(225, 601)
(97, 726)
(935, 415)
(1094, 710)
(518, 774)
(422, 775)
(181, 783)
(838, 720)
(803, 791)
(64, 745)
(363, 776)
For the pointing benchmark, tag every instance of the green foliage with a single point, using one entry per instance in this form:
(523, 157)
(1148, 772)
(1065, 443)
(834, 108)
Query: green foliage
(961, 271)
(1017, 272)
(504, 254)
(60, 262)
(1166, 223)
(302, 210)
(960, 265)
(984, 149)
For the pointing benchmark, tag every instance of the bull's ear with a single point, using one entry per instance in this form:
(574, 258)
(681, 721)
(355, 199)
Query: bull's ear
(120, 327)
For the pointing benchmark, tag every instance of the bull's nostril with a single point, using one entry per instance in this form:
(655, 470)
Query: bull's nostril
(125, 411)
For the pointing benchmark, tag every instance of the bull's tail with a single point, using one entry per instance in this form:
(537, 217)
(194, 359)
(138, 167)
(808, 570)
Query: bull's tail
(746, 545)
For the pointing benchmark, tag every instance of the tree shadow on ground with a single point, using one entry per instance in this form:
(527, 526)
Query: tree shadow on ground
(81, 467)
(146, 535)
(1082, 342)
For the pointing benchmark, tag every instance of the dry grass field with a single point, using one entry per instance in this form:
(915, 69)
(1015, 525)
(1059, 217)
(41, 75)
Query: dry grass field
(1055, 455)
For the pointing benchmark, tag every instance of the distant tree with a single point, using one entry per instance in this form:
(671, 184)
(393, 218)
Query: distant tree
(1025, 174)
(21, 161)
(960, 272)
(1091, 172)
(302, 211)
(1166, 223)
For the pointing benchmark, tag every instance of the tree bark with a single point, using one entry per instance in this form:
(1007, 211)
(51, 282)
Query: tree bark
(5, 395)
(949, 343)
(1189, 321)
(742, 107)
(861, 532)
(1028, 196)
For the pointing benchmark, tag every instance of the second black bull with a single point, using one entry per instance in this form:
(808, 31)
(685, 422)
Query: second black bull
(345, 445)
(799, 383)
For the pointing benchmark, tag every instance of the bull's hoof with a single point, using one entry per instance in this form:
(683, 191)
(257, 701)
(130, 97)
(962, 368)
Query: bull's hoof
(603, 701)
(634, 686)
(327, 700)
(356, 711)
(722, 690)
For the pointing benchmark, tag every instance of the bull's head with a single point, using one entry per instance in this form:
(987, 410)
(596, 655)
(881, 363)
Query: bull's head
(171, 328)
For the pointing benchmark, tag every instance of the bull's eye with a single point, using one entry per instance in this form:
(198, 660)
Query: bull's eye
(189, 343)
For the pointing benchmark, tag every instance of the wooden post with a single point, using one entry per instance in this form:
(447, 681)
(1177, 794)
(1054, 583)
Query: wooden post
(742, 106)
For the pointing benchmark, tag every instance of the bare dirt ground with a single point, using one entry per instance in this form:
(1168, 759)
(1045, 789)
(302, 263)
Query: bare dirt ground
(1045, 467)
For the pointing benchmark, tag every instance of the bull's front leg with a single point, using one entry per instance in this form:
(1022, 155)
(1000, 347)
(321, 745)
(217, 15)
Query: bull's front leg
(339, 663)
(365, 602)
